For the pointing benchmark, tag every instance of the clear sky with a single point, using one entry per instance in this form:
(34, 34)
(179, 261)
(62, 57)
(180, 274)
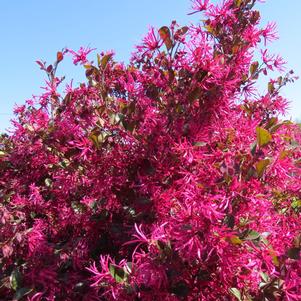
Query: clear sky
(36, 29)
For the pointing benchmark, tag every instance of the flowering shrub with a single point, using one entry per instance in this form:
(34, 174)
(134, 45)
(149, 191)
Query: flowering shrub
(170, 178)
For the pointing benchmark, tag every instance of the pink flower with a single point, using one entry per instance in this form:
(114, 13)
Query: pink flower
(151, 41)
(269, 33)
(200, 5)
(80, 56)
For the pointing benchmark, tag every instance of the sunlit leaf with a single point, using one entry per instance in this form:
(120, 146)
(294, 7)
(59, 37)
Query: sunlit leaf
(254, 68)
(117, 273)
(261, 166)
(210, 29)
(199, 143)
(296, 204)
(235, 240)
(263, 136)
(252, 235)
(236, 293)
(15, 279)
(272, 122)
(274, 257)
(264, 277)
(77, 207)
(253, 148)
(271, 87)
(165, 35)
(59, 56)
(105, 59)
(98, 59)
(48, 182)
(283, 154)
(94, 138)
(238, 3)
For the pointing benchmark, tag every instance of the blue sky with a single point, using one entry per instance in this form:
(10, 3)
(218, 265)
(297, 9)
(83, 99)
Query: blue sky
(36, 29)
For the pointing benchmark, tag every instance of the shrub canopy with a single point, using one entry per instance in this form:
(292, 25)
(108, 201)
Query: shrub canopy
(169, 178)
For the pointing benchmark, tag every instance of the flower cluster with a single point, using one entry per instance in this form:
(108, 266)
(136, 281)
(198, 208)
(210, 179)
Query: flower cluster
(170, 178)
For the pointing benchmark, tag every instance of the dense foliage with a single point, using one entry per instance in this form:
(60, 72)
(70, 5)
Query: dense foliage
(170, 178)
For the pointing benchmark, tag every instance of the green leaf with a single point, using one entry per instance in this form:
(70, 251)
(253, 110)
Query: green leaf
(271, 88)
(236, 293)
(105, 59)
(254, 68)
(48, 182)
(200, 143)
(253, 148)
(117, 273)
(20, 293)
(129, 266)
(98, 60)
(272, 122)
(275, 127)
(252, 235)
(94, 138)
(116, 118)
(296, 204)
(210, 29)
(264, 277)
(274, 257)
(98, 137)
(15, 279)
(235, 240)
(263, 136)
(261, 166)
(165, 35)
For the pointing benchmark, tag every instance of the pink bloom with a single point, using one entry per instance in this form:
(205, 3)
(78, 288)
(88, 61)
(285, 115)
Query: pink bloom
(269, 33)
(80, 56)
(151, 41)
(200, 5)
